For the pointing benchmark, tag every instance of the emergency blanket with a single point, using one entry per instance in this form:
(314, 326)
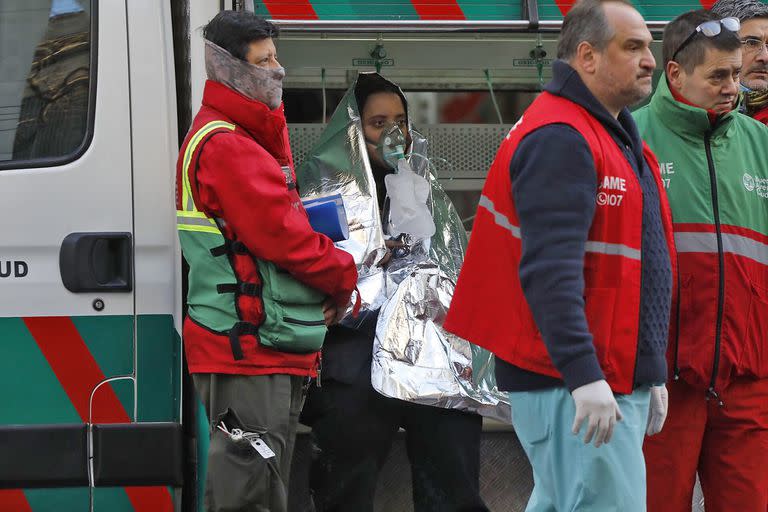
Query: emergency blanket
(414, 359)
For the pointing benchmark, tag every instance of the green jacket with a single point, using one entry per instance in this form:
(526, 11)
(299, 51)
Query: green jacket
(716, 176)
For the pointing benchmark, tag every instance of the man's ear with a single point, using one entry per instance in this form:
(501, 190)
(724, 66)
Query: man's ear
(586, 57)
(675, 75)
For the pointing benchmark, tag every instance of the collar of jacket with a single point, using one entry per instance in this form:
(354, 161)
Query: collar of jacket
(711, 114)
(264, 125)
(686, 120)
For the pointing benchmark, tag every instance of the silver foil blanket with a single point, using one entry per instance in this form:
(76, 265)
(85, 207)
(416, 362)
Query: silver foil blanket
(414, 359)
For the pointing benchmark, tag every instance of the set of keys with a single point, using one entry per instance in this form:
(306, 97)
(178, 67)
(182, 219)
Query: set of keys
(253, 438)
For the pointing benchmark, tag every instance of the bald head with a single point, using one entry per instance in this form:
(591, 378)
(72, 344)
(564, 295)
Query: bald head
(586, 21)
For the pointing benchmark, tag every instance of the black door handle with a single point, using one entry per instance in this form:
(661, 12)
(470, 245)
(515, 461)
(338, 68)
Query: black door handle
(96, 262)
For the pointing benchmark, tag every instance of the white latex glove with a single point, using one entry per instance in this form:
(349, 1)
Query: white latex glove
(596, 405)
(657, 412)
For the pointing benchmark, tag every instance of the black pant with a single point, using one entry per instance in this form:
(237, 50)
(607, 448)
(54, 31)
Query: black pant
(353, 428)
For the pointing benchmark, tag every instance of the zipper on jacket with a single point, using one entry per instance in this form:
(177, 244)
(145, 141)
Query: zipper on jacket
(721, 268)
(319, 369)
(309, 323)
(675, 366)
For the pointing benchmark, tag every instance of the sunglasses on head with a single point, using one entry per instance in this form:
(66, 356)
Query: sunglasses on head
(710, 29)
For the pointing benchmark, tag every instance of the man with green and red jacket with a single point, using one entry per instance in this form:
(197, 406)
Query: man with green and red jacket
(262, 284)
(714, 162)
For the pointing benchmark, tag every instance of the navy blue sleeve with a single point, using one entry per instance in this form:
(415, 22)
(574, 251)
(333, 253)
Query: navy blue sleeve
(553, 186)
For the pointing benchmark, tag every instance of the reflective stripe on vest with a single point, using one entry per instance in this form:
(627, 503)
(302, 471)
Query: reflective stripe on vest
(503, 221)
(190, 219)
(188, 201)
(732, 243)
(195, 221)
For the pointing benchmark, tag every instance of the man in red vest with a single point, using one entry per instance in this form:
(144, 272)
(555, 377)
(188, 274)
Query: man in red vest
(569, 271)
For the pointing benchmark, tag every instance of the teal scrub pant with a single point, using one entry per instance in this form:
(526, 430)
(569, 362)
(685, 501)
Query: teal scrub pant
(571, 476)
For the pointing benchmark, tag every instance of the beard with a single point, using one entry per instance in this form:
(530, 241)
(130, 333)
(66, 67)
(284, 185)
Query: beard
(755, 84)
(635, 93)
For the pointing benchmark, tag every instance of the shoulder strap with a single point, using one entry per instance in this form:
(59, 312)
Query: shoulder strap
(192, 153)
(189, 218)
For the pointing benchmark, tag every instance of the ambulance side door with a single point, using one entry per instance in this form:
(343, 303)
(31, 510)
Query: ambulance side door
(67, 307)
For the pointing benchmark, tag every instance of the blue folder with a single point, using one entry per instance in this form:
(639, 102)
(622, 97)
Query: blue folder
(327, 216)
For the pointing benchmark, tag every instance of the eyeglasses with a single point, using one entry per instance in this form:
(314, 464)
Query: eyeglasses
(710, 29)
(753, 45)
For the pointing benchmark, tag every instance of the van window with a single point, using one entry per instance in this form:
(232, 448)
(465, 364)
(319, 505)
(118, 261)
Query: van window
(45, 76)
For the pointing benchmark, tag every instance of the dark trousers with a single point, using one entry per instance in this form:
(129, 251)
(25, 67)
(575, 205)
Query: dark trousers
(239, 479)
(353, 428)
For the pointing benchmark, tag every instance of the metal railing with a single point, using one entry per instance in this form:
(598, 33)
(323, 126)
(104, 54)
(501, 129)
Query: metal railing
(385, 26)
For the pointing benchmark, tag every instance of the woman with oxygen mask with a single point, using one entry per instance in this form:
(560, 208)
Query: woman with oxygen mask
(367, 154)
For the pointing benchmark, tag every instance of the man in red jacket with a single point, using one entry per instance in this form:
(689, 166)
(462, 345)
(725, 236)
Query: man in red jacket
(262, 284)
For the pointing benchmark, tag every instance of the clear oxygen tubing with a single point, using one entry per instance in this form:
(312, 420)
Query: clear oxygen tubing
(322, 85)
(493, 96)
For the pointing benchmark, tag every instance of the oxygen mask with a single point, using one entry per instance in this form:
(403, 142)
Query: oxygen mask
(391, 145)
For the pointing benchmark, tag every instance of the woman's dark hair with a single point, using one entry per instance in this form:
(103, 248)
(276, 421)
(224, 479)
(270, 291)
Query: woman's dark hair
(374, 83)
(236, 30)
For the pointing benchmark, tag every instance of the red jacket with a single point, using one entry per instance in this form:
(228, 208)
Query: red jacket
(762, 115)
(245, 178)
(489, 308)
